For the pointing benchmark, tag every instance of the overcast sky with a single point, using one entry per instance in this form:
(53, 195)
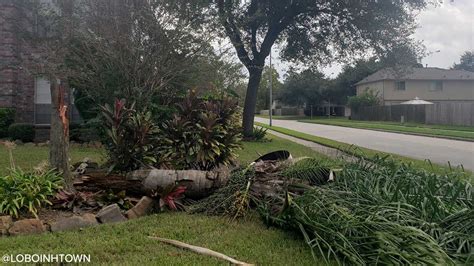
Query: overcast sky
(448, 27)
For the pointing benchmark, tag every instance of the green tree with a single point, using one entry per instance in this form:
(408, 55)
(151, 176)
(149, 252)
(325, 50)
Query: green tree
(263, 96)
(401, 58)
(466, 61)
(307, 31)
(344, 84)
(367, 98)
(306, 88)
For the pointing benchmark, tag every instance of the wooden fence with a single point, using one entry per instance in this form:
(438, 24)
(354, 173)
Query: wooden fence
(461, 114)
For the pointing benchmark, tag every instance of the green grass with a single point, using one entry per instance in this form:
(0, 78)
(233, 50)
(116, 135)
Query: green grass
(251, 150)
(360, 151)
(127, 243)
(27, 157)
(283, 117)
(452, 132)
(442, 131)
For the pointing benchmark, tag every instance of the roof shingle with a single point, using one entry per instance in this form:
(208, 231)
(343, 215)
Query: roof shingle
(428, 73)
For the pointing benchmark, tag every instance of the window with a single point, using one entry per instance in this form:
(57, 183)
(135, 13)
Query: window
(400, 85)
(436, 85)
(42, 101)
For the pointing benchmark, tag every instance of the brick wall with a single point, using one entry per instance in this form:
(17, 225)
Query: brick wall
(17, 81)
(9, 54)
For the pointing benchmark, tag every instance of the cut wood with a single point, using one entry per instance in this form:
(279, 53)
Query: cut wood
(199, 250)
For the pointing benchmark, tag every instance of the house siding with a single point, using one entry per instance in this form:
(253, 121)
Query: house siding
(453, 91)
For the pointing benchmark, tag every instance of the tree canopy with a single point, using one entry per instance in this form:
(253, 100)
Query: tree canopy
(466, 61)
(305, 88)
(307, 31)
(263, 97)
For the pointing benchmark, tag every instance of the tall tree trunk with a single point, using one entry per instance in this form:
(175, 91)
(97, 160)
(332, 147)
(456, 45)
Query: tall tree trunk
(59, 133)
(255, 73)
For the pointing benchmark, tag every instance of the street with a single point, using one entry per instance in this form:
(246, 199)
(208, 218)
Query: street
(440, 151)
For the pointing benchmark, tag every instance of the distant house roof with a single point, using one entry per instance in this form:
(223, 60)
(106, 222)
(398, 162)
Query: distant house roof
(428, 73)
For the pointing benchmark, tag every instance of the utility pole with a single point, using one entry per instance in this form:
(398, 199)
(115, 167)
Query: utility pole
(271, 87)
(329, 108)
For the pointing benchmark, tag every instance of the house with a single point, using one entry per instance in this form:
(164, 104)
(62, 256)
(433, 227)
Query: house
(432, 84)
(28, 94)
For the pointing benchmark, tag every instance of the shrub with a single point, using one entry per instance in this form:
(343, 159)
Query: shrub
(129, 136)
(7, 117)
(259, 134)
(27, 191)
(203, 134)
(22, 131)
(86, 132)
(367, 98)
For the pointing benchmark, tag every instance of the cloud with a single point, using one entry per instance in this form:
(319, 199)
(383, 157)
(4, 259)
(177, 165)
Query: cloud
(449, 28)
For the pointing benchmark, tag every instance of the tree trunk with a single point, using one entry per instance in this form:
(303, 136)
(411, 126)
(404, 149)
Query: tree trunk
(59, 134)
(199, 184)
(255, 73)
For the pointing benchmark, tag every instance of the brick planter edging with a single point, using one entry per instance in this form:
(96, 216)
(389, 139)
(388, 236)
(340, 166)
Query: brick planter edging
(108, 214)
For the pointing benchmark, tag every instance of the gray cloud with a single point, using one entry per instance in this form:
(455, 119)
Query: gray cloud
(449, 28)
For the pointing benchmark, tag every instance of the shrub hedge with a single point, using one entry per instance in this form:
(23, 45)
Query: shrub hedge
(7, 117)
(22, 131)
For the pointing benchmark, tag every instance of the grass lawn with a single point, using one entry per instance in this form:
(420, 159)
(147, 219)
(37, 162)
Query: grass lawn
(27, 157)
(360, 151)
(251, 150)
(127, 243)
(444, 131)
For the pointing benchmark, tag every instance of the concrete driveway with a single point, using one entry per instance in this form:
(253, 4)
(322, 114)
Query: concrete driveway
(437, 150)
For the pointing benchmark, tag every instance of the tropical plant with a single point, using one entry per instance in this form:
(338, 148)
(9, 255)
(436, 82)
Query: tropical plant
(259, 134)
(27, 191)
(171, 196)
(129, 136)
(203, 134)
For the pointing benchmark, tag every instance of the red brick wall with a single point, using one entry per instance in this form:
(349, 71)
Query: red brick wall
(8, 54)
(17, 83)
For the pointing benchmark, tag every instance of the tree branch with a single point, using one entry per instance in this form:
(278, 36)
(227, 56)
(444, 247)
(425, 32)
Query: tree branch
(233, 33)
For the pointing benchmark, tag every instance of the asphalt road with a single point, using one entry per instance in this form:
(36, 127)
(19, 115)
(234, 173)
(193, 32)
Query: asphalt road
(437, 150)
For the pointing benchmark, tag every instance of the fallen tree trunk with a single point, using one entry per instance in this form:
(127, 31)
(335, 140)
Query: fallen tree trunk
(198, 184)
(100, 180)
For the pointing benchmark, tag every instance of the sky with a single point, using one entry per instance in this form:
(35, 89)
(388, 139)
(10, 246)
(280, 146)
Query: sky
(447, 28)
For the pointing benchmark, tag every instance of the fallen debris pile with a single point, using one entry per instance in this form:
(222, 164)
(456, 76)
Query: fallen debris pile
(379, 212)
